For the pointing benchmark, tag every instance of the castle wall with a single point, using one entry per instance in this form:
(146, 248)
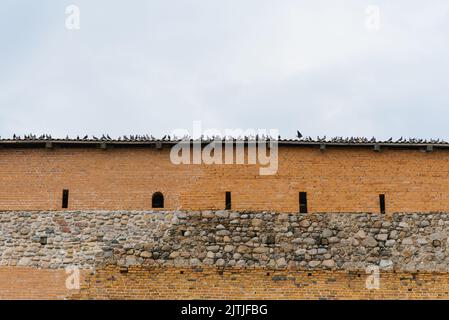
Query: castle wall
(336, 180)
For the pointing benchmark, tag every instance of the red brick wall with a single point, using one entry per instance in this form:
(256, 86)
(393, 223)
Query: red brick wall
(30, 283)
(211, 283)
(337, 180)
(229, 284)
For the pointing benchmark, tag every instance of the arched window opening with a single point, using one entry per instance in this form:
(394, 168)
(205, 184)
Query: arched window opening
(158, 200)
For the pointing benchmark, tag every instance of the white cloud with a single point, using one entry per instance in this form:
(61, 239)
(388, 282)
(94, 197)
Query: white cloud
(153, 67)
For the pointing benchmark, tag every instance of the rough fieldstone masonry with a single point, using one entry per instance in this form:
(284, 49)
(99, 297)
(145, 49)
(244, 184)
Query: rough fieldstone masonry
(287, 246)
(401, 242)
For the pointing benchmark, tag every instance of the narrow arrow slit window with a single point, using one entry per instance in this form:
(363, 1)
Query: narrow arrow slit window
(65, 199)
(303, 202)
(382, 203)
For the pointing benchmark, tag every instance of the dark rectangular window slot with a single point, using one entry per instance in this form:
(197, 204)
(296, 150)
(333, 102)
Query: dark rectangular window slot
(65, 199)
(382, 203)
(303, 202)
(43, 240)
(228, 200)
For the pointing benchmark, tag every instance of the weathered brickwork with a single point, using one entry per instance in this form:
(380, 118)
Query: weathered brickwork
(210, 283)
(213, 283)
(336, 180)
(33, 283)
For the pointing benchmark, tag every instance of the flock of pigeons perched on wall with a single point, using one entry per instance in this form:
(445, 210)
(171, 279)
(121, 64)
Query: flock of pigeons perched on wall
(299, 138)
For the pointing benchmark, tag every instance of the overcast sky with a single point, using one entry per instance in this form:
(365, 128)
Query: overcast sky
(155, 66)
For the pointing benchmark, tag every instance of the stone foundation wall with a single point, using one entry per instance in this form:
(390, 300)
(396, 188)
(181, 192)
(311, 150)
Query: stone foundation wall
(402, 242)
(223, 254)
